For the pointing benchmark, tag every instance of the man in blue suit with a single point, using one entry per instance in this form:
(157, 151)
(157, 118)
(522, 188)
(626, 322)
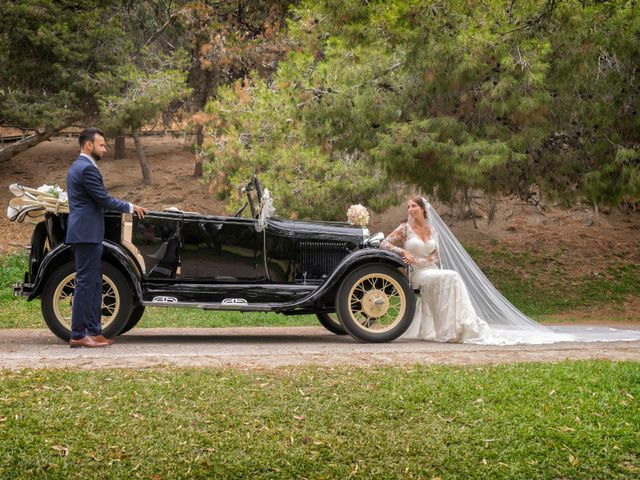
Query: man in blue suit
(88, 201)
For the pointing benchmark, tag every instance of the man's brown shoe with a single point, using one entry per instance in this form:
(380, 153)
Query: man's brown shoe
(102, 338)
(87, 342)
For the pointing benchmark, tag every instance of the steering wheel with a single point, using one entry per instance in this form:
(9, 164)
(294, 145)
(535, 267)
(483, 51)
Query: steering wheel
(240, 210)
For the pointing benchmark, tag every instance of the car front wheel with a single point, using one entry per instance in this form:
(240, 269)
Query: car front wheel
(57, 300)
(375, 303)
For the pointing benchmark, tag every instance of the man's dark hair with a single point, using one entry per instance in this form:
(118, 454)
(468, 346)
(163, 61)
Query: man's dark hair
(89, 134)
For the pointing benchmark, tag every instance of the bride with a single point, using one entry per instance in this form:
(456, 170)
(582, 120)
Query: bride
(444, 313)
(458, 303)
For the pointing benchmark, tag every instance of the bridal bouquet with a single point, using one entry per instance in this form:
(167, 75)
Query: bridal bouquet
(358, 215)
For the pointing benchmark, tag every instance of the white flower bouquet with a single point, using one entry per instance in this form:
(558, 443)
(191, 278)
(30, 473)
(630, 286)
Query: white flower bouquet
(358, 215)
(54, 190)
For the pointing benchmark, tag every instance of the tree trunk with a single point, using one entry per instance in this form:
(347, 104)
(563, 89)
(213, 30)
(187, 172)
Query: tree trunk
(119, 150)
(146, 172)
(166, 121)
(467, 199)
(202, 80)
(11, 151)
(197, 170)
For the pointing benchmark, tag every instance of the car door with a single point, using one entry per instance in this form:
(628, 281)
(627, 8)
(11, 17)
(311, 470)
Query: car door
(157, 239)
(218, 250)
(276, 252)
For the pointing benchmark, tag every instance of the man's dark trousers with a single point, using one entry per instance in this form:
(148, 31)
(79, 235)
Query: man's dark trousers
(87, 297)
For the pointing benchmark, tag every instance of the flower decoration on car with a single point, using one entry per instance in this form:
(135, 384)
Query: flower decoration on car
(265, 210)
(358, 215)
(32, 203)
(54, 190)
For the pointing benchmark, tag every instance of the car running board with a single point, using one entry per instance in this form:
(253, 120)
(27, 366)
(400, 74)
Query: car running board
(232, 305)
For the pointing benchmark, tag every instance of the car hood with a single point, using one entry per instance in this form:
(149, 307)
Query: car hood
(320, 231)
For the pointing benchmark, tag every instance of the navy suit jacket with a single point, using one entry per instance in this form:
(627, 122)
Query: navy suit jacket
(88, 201)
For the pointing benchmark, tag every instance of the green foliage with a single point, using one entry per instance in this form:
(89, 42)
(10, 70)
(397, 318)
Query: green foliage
(146, 92)
(617, 181)
(313, 159)
(64, 61)
(439, 154)
(54, 56)
(445, 96)
(506, 98)
(561, 420)
(308, 130)
(537, 91)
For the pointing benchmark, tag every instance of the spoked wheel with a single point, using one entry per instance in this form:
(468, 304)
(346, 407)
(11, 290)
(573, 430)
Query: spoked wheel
(375, 303)
(331, 322)
(57, 300)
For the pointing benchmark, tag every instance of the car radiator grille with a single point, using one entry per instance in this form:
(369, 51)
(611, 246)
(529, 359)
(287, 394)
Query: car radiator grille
(320, 258)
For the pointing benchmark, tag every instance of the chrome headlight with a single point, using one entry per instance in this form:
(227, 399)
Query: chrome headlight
(375, 240)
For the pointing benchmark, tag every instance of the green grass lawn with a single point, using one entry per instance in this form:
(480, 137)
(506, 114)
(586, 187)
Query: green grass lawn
(563, 420)
(537, 286)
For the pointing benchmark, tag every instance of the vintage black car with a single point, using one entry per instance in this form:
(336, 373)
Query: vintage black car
(184, 259)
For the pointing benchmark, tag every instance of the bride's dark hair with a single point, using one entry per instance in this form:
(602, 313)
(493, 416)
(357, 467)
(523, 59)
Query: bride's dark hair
(420, 202)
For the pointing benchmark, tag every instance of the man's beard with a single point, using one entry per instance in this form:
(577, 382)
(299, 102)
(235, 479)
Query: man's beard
(95, 155)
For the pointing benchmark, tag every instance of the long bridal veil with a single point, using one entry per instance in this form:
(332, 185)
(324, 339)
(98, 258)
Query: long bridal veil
(508, 324)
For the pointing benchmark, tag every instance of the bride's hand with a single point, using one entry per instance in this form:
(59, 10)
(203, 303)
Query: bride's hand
(408, 258)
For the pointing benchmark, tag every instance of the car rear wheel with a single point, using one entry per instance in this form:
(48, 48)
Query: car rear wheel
(331, 322)
(375, 303)
(57, 300)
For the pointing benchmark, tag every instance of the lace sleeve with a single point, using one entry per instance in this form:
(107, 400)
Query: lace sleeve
(399, 235)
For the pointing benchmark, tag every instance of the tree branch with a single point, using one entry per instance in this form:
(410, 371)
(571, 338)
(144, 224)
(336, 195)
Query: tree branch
(393, 67)
(159, 32)
(11, 151)
(320, 92)
(548, 9)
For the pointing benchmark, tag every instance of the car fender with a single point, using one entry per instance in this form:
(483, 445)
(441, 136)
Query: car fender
(63, 253)
(366, 256)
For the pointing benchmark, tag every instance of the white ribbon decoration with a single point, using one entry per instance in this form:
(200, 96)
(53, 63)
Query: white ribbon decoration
(266, 210)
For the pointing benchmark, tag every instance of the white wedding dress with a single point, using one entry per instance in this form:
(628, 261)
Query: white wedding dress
(444, 312)
(459, 304)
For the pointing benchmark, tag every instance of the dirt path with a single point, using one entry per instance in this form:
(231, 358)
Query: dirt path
(258, 348)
